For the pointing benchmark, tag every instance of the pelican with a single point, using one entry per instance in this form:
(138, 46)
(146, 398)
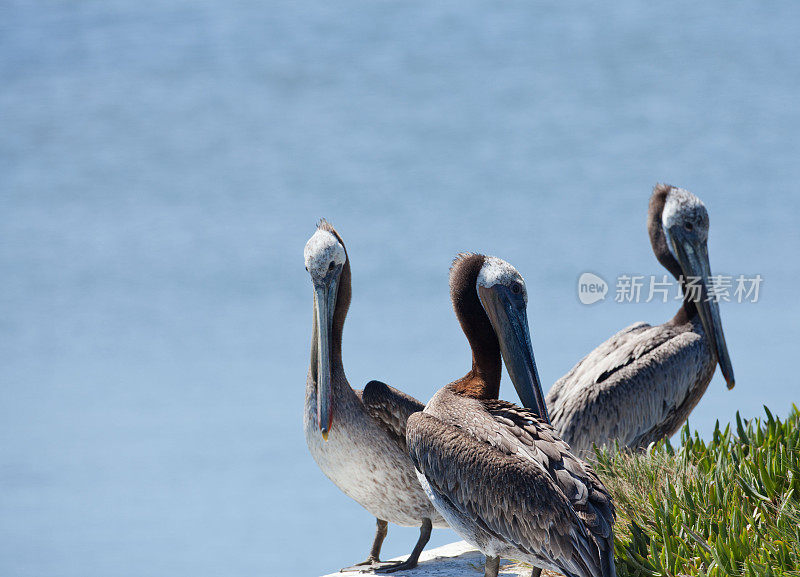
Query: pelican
(358, 437)
(497, 472)
(641, 384)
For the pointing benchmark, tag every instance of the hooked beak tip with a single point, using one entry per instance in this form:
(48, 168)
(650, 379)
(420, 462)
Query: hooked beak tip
(731, 384)
(324, 434)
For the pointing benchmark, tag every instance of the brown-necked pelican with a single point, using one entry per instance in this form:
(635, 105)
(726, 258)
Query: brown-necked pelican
(358, 437)
(497, 472)
(641, 384)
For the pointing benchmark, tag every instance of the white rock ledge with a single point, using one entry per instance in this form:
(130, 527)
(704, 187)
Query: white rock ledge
(458, 559)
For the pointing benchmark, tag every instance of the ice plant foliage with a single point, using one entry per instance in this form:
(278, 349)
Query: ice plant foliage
(730, 506)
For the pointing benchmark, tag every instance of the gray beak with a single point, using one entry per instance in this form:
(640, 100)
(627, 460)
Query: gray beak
(324, 306)
(692, 255)
(508, 315)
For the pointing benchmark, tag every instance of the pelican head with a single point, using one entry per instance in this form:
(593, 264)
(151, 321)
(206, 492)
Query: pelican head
(325, 258)
(504, 297)
(684, 221)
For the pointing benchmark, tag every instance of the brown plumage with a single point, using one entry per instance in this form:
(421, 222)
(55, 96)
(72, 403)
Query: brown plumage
(499, 473)
(362, 446)
(483, 380)
(343, 297)
(641, 384)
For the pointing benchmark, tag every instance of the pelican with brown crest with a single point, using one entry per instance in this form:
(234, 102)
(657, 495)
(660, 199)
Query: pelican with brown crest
(498, 473)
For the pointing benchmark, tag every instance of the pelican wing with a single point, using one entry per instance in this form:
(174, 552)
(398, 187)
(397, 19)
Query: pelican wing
(615, 353)
(390, 407)
(632, 388)
(518, 430)
(486, 473)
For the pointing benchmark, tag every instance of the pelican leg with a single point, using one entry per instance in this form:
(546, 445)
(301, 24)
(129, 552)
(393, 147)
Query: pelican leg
(536, 571)
(374, 553)
(491, 567)
(411, 562)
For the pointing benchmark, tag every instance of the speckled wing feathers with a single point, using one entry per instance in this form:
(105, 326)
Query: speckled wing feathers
(537, 441)
(606, 359)
(631, 387)
(390, 407)
(506, 469)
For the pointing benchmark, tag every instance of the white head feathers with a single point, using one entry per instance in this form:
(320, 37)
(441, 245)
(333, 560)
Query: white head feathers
(683, 210)
(497, 271)
(322, 249)
(679, 206)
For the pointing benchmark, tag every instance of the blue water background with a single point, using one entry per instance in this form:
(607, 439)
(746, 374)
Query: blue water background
(163, 163)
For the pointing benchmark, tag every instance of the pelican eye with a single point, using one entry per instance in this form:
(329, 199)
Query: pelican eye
(688, 225)
(516, 288)
(330, 266)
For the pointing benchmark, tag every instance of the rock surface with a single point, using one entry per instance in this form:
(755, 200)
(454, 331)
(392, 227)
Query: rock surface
(454, 560)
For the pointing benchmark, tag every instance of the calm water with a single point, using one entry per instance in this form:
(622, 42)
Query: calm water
(162, 165)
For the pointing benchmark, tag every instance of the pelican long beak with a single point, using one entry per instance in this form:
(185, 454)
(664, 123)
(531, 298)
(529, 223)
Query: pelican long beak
(324, 306)
(692, 255)
(509, 318)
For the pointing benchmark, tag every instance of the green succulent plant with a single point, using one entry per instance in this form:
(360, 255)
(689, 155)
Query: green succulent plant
(729, 506)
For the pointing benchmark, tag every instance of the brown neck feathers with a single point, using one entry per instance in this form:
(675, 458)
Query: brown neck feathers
(658, 240)
(343, 295)
(483, 380)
